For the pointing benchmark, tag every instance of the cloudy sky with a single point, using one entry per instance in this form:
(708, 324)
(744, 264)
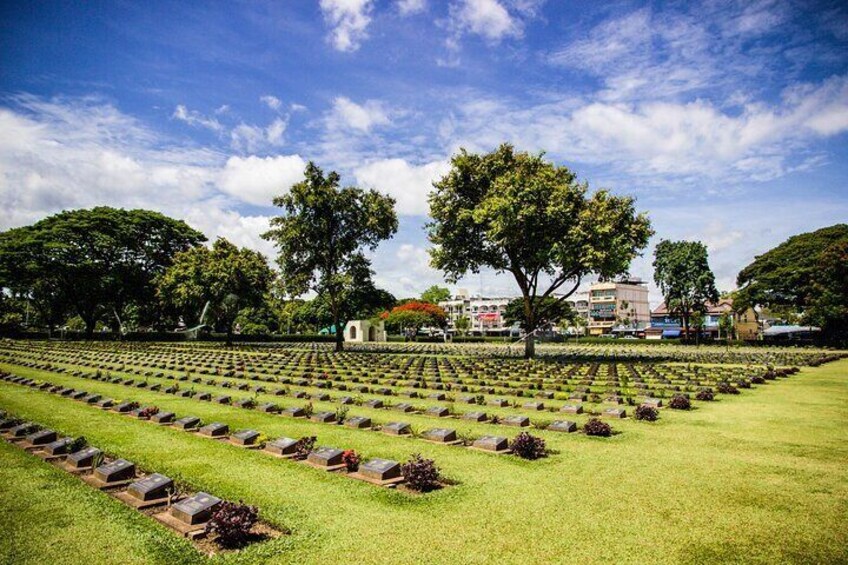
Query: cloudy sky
(727, 120)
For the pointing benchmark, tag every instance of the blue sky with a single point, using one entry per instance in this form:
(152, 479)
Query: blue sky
(727, 120)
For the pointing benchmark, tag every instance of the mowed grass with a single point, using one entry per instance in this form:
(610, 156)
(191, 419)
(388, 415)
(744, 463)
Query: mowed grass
(762, 477)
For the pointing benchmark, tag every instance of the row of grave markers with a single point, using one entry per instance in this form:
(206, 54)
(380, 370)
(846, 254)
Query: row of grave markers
(574, 407)
(188, 515)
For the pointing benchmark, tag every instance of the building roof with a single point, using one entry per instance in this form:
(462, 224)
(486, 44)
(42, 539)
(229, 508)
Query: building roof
(782, 330)
(717, 308)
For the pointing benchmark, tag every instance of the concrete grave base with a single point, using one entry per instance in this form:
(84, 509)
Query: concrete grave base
(388, 483)
(102, 485)
(191, 531)
(139, 504)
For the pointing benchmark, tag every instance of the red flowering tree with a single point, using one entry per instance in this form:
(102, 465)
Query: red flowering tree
(414, 315)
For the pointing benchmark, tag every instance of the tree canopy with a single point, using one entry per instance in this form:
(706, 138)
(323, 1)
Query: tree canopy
(683, 274)
(95, 263)
(436, 294)
(412, 316)
(785, 275)
(227, 277)
(517, 213)
(321, 237)
(552, 311)
(803, 279)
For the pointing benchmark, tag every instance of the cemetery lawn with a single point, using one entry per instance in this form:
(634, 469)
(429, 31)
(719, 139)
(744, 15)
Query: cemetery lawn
(760, 477)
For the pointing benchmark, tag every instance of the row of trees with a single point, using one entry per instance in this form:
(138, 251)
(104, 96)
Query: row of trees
(508, 211)
(513, 212)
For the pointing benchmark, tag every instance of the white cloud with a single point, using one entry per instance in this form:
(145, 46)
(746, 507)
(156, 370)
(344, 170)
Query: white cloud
(408, 184)
(247, 138)
(271, 101)
(251, 139)
(274, 132)
(410, 7)
(196, 119)
(78, 153)
(697, 141)
(257, 180)
(349, 20)
(358, 117)
(487, 18)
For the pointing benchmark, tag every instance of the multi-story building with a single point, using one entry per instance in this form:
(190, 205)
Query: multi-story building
(485, 313)
(621, 305)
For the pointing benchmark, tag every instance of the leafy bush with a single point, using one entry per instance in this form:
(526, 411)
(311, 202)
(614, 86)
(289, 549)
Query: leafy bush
(232, 523)
(77, 444)
(647, 413)
(595, 427)
(727, 388)
(351, 460)
(341, 414)
(705, 394)
(679, 402)
(308, 410)
(421, 474)
(148, 412)
(304, 446)
(528, 446)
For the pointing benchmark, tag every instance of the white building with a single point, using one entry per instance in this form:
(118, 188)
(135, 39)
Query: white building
(361, 331)
(486, 314)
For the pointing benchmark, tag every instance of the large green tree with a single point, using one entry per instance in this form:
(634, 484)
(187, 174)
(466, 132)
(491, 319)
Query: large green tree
(436, 294)
(322, 235)
(96, 263)
(828, 301)
(517, 213)
(226, 277)
(551, 311)
(785, 276)
(682, 272)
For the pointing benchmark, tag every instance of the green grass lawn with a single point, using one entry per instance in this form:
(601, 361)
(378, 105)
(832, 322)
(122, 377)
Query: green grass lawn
(762, 477)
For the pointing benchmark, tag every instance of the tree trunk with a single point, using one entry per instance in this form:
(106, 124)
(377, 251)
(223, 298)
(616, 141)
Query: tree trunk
(339, 334)
(530, 347)
(685, 327)
(530, 327)
(89, 327)
(229, 334)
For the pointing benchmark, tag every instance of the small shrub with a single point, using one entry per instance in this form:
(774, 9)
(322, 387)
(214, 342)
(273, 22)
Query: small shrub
(679, 402)
(595, 427)
(480, 399)
(77, 444)
(304, 446)
(727, 388)
(351, 460)
(705, 394)
(308, 409)
(421, 474)
(528, 446)
(148, 412)
(341, 414)
(232, 523)
(646, 413)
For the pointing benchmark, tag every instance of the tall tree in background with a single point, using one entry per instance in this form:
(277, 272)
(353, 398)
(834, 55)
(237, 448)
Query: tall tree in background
(98, 262)
(828, 303)
(553, 311)
(682, 272)
(515, 212)
(226, 277)
(798, 276)
(321, 237)
(436, 294)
